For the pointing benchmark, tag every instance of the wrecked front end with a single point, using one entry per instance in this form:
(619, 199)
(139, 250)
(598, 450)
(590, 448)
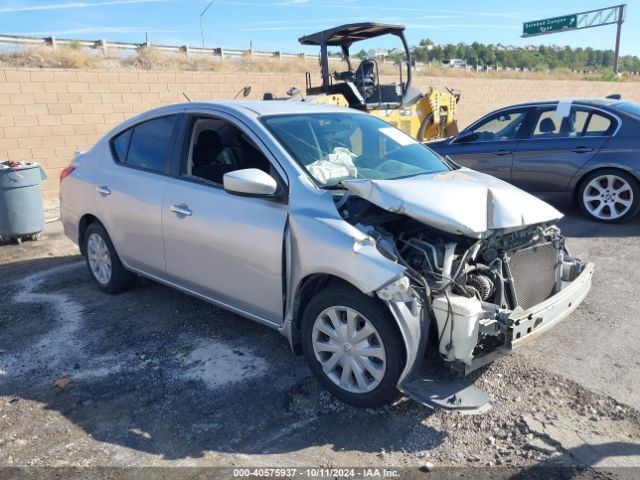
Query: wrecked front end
(467, 296)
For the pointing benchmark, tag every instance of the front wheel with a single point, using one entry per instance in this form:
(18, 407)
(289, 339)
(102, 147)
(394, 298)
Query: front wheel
(609, 196)
(352, 346)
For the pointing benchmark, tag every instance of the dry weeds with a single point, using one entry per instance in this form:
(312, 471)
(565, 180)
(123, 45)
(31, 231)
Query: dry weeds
(47, 57)
(150, 58)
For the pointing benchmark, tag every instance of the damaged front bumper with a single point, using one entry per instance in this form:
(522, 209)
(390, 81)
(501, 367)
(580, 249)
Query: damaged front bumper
(441, 388)
(524, 326)
(521, 326)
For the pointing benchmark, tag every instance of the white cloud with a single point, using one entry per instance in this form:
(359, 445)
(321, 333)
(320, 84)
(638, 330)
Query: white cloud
(465, 13)
(96, 30)
(73, 5)
(442, 26)
(283, 28)
(307, 4)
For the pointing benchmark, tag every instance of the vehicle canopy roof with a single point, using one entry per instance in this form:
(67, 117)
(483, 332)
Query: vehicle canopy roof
(345, 35)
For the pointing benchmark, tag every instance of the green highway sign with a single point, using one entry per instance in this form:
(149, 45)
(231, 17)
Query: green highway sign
(549, 25)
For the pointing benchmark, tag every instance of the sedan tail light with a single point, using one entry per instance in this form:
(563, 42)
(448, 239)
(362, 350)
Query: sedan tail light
(66, 172)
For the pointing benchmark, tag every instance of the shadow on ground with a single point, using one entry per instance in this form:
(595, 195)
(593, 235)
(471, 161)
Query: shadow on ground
(160, 372)
(575, 224)
(563, 466)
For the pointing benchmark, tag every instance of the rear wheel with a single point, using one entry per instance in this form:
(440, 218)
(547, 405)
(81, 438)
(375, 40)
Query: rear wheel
(106, 269)
(352, 347)
(609, 196)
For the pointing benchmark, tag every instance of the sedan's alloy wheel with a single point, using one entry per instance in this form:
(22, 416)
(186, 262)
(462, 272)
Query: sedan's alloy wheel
(349, 349)
(99, 258)
(608, 197)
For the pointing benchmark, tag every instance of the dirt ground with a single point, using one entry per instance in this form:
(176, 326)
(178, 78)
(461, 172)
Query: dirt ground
(152, 378)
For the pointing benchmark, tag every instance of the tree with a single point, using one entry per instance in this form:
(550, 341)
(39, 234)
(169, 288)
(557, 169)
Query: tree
(543, 58)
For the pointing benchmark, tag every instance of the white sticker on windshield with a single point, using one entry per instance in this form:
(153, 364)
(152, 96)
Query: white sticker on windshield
(398, 136)
(563, 109)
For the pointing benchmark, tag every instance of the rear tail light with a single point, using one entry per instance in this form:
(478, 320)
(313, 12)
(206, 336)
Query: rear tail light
(66, 172)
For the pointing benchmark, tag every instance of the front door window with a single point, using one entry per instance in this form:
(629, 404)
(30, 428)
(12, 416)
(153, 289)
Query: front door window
(503, 126)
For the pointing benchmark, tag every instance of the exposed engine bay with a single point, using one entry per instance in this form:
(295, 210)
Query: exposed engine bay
(471, 288)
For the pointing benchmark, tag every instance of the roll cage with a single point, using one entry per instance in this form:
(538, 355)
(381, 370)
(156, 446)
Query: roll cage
(361, 87)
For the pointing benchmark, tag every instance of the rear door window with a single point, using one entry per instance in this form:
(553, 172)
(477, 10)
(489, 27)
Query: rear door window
(548, 125)
(580, 121)
(148, 145)
(151, 143)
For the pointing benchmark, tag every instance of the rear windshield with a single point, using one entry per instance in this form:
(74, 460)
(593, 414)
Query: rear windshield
(629, 107)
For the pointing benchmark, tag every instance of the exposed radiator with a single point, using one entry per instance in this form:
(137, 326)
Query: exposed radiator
(534, 273)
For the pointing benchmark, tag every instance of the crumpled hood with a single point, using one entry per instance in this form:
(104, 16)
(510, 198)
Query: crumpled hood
(462, 201)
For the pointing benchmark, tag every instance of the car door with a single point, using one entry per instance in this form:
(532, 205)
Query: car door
(488, 145)
(129, 191)
(561, 140)
(223, 246)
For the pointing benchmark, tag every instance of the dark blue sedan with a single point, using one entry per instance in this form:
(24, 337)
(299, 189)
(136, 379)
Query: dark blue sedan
(581, 151)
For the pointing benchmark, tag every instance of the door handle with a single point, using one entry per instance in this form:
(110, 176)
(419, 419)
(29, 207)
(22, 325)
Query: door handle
(181, 210)
(103, 190)
(502, 151)
(582, 150)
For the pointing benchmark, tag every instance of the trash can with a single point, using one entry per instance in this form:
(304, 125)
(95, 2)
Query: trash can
(21, 211)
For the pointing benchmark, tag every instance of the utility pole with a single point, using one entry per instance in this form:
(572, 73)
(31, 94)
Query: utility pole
(201, 24)
(619, 21)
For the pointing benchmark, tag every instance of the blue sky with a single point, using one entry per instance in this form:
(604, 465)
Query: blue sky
(276, 24)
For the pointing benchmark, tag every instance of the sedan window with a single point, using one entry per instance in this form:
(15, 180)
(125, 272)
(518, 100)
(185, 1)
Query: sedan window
(150, 143)
(147, 145)
(338, 146)
(598, 125)
(548, 125)
(120, 145)
(500, 127)
(217, 147)
(579, 122)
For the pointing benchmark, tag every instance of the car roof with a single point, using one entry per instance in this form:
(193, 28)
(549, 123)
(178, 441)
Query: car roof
(278, 107)
(256, 108)
(243, 108)
(595, 101)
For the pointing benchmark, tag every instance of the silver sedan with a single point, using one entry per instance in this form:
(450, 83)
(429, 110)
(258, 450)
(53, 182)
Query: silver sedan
(386, 266)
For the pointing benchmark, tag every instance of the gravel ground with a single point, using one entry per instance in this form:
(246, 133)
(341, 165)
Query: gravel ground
(153, 377)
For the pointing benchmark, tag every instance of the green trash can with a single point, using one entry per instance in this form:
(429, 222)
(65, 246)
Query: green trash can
(21, 211)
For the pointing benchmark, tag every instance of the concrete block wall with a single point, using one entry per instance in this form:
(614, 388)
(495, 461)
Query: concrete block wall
(48, 115)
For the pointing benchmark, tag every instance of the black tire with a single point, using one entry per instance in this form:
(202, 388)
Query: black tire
(634, 191)
(424, 125)
(381, 318)
(121, 279)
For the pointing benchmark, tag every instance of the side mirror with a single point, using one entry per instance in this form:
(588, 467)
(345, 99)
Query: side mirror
(466, 137)
(249, 181)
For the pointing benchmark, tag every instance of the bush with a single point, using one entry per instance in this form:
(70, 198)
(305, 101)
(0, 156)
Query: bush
(609, 76)
(146, 58)
(604, 75)
(48, 57)
(74, 45)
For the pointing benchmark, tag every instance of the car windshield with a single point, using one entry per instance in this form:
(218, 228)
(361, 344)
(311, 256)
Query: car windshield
(341, 146)
(629, 107)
